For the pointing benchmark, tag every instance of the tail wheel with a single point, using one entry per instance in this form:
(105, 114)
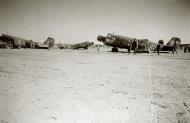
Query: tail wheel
(114, 49)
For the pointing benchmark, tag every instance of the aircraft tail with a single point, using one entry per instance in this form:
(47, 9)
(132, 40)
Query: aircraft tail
(50, 42)
(174, 40)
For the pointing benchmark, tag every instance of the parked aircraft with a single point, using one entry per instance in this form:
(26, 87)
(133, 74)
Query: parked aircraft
(117, 41)
(172, 46)
(49, 43)
(15, 42)
(82, 45)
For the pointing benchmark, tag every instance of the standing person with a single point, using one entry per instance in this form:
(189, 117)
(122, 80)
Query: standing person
(135, 46)
(98, 48)
(185, 48)
(175, 47)
(130, 46)
(158, 47)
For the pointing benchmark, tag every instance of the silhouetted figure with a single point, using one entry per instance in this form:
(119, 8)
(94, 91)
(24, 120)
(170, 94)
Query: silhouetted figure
(174, 47)
(98, 48)
(185, 49)
(135, 46)
(158, 47)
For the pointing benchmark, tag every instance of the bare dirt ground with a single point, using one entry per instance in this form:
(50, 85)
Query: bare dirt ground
(87, 86)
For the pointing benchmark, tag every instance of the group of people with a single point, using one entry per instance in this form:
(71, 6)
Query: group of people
(186, 49)
(173, 48)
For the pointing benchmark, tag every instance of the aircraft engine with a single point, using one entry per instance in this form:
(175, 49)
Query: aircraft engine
(101, 38)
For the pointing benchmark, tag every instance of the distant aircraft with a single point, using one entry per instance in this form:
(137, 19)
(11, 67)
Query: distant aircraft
(172, 45)
(14, 42)
(117, 41)
(49, 43)
(82, 45)
(17, 43)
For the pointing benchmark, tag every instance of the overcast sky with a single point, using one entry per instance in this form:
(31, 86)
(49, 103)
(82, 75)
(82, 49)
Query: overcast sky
(81, 20)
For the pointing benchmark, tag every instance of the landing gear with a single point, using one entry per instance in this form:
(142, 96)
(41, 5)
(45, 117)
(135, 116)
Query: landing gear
(86, 48)
(114, 49)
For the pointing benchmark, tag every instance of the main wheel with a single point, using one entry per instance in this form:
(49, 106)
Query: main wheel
(85, 48)
(114, 49)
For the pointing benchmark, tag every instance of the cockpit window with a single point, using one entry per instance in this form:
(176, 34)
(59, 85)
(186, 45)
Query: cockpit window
(109, 35)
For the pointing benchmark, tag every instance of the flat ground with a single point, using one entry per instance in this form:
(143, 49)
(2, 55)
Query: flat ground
(87, 86)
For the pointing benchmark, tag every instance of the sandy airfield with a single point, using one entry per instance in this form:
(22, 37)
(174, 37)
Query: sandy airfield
(87, 86)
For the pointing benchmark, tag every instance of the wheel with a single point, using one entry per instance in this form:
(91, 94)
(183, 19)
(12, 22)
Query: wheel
(114, 49)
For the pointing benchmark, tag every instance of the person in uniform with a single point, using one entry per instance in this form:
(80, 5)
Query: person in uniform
(135, 46)
(175, 47)
(158, 47)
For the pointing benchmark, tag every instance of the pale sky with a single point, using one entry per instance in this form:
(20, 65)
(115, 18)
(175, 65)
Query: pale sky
(83, 20)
